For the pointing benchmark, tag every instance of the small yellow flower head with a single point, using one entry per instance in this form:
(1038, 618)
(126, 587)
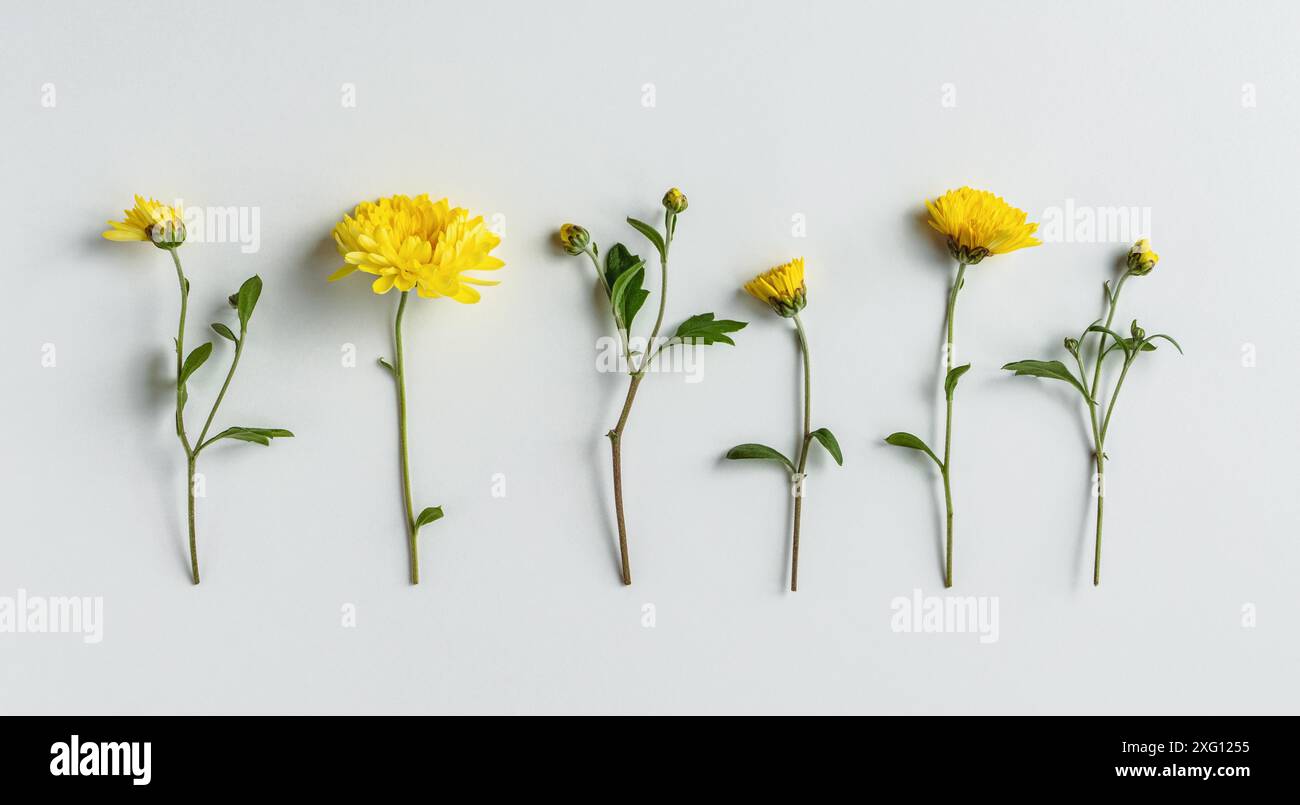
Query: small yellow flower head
(675, 201)
(1141, 259)
(781, 288)
(417, 243)
(150, 220)
(979, 223)
(574, 238)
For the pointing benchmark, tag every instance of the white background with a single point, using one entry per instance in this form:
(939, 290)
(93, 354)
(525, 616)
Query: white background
(762, 111)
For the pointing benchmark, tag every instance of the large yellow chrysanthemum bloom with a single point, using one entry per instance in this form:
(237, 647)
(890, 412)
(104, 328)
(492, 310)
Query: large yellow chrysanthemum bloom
(146, 220)
(979, 223)
(782, 288)
(417, 243)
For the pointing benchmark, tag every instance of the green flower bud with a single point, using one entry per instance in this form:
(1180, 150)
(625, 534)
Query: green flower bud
(1137, 331)
(675, 201)
(574, 238)
(1072, 346)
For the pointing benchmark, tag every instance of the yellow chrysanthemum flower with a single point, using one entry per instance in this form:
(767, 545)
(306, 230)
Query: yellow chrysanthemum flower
(1142, 258)
(979, 223)
(149, 220)
(417, 243)
(782, 288)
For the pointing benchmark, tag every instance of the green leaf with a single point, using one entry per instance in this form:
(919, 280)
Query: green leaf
(950, 382)
(827, 439)
(195, 360)
(627, 296)
(223, 331)
(248, 295)
(1165, 337)
(428, 516)
(651, 234)
(388, 366)
(760, 451)
(262, 436)
(904, 439)
(1054, 370)
(619, 261)
(702, 328)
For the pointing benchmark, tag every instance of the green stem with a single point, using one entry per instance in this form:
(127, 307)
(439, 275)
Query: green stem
(803, 451)
(190, 453)
(399, 372)
(230, 375)
(669, 224)
(1099, 428)
(947, 429)
(194, 548)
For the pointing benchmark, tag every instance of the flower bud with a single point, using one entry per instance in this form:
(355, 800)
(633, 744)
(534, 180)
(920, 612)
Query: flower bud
(1141, 259)
(1136, 331)
(168, 233)
(1072, 346)
(574, 238)
(675, 201)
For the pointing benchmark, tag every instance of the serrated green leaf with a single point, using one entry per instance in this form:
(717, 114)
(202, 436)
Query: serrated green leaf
(950, 382)
(703, 328)
(1053, 370)
(651, 234)
(760, 451)
(905, 439)
(828, 441)
(223, 331)
(194, 360)
(247, 299)
(428, 516)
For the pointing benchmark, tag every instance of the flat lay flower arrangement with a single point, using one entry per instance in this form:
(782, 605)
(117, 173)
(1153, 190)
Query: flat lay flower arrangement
(163, 225)
(437, 250)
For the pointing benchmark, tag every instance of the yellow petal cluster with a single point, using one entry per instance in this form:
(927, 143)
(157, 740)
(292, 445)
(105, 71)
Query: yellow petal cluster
(1142, 258)
(979, 223)
(417, 243)
(782, 288)
(140, 220)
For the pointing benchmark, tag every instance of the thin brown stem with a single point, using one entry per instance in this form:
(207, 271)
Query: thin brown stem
(616, 449)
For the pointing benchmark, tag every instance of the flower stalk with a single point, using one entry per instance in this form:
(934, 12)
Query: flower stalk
(621, 277)
(783, 290)
(1141, 260)
(415, 244)
(164, 226)
(977, 224)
